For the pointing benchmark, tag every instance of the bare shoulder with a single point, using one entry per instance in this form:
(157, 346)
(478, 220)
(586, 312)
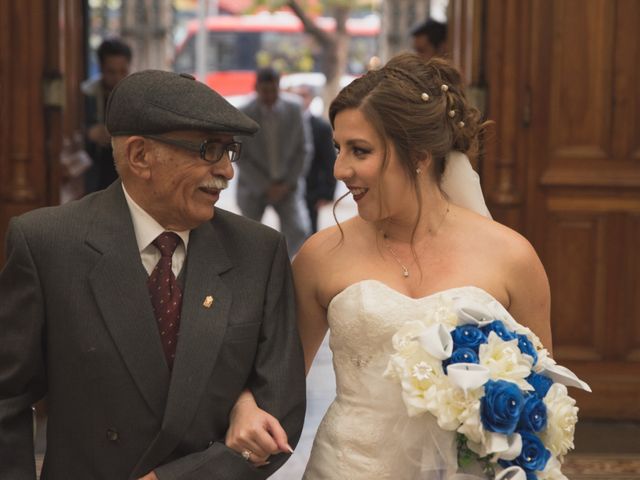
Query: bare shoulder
(327, 257)
(515, 266)
(317, 247)
(498, 243)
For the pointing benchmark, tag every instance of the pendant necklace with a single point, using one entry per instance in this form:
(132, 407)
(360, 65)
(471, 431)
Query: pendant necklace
(385, 240)
(405, 270)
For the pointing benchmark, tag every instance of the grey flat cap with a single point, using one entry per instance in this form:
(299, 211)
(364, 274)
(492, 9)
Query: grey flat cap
(154, 101)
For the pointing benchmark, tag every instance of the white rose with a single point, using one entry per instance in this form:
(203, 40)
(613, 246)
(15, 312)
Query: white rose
(505, 361)
(417, 372)
(407, 334)
(450, 405)
(562, 415)
(471, 423)
(443, 313)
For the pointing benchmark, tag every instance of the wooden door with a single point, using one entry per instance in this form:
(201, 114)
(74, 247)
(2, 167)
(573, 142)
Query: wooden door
(41, 64)
(564, 169)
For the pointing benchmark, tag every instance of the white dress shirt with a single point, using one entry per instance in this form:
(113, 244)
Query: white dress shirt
(147, 229)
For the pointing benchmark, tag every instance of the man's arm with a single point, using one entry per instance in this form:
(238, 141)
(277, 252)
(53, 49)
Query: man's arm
(22, 377)
(277, 382)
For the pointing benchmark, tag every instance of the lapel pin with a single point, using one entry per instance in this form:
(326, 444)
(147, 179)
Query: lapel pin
(208, 301)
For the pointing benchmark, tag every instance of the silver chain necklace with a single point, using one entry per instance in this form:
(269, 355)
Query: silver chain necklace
(385, 240)
(405, 270)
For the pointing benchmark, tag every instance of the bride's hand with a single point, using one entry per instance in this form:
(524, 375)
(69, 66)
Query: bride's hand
(253, 430)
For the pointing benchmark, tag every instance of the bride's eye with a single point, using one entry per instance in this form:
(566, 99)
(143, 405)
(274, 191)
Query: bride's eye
(361, 152)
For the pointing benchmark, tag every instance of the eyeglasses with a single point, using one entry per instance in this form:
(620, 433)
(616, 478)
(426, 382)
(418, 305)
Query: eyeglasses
(210, 151)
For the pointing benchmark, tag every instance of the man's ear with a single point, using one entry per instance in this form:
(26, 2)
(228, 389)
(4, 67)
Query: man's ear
(139, 156)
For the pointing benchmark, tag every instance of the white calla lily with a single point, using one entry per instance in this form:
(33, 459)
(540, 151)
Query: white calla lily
(472, 312)
(512, 473)
(437, 341)
(563, 375)
(468, 376)
(514, 447)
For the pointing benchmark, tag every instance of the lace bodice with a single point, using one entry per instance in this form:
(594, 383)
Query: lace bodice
(366, 427)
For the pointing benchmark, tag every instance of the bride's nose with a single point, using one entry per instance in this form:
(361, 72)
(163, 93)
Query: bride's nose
(341, 169)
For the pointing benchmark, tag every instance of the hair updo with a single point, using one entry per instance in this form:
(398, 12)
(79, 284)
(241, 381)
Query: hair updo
(419, 106)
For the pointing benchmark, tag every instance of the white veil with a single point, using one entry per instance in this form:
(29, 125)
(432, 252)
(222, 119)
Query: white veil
(461, 184)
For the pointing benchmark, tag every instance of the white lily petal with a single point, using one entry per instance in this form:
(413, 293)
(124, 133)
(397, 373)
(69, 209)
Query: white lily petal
(512, 473)
(472, 312)
(437, 341)
(563, 375)
(468, 376)
(495, 442)
(513, 449)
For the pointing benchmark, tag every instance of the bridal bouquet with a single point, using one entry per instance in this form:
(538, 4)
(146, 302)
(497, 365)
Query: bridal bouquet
(490, 380)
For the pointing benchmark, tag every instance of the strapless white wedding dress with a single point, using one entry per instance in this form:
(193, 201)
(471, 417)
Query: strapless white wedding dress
(366, 432)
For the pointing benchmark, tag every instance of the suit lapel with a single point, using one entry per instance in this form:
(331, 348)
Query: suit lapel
(202, 329)
(202, 326)
(118, 281)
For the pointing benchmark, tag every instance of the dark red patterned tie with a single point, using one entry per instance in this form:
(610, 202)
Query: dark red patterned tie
(166, 296)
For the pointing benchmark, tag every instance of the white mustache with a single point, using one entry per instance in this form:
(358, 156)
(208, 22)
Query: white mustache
(216, 183)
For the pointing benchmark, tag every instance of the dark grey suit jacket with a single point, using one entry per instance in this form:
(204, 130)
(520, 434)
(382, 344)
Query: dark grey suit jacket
(76, 324)
(294, 143)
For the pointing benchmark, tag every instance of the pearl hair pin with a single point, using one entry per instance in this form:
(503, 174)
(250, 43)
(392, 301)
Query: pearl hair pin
(425, 96)
(452, 113)
(444, 87)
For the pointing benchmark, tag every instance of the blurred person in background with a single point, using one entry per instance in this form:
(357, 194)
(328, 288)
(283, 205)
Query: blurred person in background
(114, 57)
(430, 38)
(320, 182)
(275, 160)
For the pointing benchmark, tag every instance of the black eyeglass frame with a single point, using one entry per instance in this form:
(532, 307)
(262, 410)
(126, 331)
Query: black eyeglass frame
(235, 147)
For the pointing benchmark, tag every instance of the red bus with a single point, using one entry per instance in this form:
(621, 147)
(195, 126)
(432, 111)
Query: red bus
(237, 45)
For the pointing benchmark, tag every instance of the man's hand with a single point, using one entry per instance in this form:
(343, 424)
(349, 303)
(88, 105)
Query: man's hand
(276, 192)
(149, 476)
(254, 433)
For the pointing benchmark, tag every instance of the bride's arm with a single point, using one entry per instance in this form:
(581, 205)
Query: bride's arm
(528, 288)
(312, 316)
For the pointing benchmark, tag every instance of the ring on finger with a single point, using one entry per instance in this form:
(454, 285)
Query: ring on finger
(246, 454)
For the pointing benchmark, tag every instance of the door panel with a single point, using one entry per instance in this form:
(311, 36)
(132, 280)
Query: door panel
(563, 168)
(584, 192)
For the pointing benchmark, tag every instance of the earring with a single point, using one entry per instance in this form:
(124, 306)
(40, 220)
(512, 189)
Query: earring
(418, 171)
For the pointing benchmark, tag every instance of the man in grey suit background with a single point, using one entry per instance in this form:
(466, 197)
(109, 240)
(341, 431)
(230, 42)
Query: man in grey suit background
(275, 160)
(142, 312)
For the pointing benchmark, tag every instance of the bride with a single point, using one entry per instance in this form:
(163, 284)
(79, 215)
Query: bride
(422, 235)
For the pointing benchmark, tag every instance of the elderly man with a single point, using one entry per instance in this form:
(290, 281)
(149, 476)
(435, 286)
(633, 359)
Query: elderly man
(142, 312)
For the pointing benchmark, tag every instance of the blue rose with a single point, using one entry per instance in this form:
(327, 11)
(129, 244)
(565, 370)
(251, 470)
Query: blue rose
(534, 456)
(501, 406)
(540, 383)
(527, 348)
(534, 414)
(498, 327)
(462, 355)
(468, 336)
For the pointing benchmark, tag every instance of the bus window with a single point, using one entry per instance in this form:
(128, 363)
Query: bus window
(237, 46)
